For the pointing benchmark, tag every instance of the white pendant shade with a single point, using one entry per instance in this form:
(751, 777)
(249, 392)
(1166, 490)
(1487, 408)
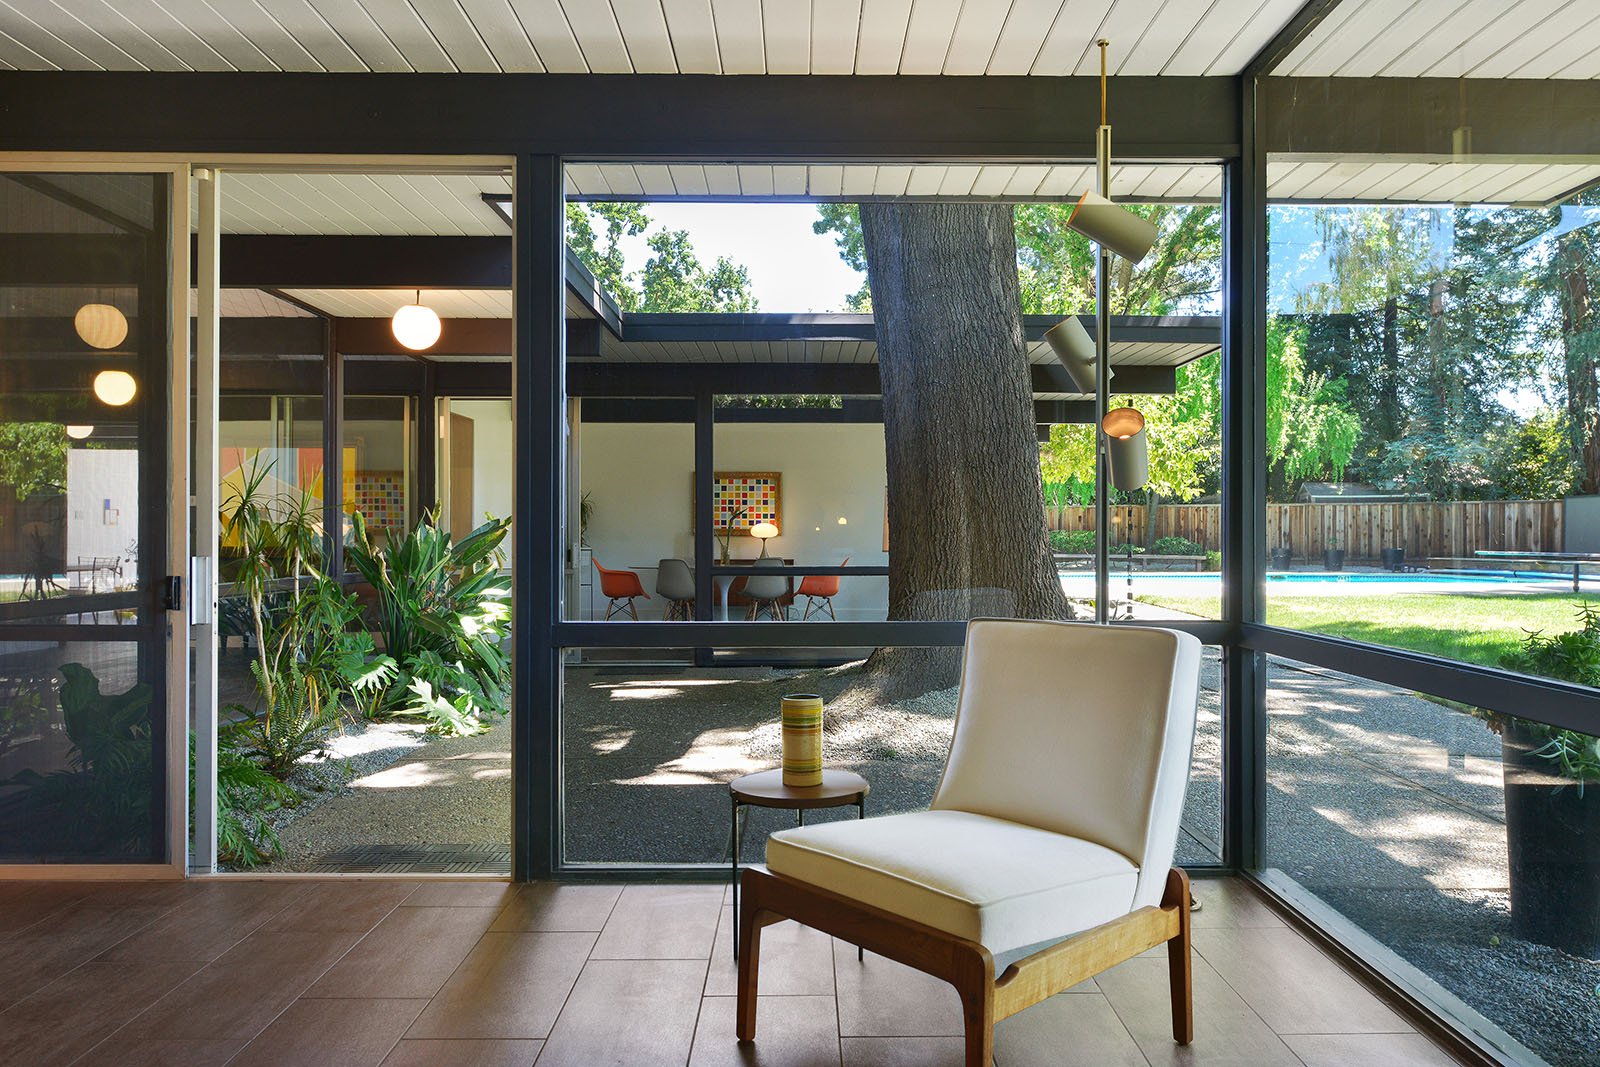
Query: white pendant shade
(78, 433)
(101, 325)
(1074, 348)
(115, 387)
(416, 327)
(1127, 448)
(1128, 235)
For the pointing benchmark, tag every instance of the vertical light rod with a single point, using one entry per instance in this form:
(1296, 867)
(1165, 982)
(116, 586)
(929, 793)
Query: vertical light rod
(1102, 371)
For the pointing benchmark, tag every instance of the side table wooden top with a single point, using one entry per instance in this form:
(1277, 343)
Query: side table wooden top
(765, 789)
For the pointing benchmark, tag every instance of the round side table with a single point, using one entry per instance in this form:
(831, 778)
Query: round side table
(765, 789)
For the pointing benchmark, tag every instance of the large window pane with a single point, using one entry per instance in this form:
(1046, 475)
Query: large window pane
(1466, 847)
(379, 459)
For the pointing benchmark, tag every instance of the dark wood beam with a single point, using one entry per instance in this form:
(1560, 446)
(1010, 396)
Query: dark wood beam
(291, 261)
(631, 116)
(1287, 39)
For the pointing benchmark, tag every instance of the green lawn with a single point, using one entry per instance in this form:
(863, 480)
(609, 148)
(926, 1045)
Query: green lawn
(1476, 628)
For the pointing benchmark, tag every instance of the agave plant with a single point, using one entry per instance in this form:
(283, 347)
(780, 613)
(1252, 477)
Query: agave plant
(442, 609)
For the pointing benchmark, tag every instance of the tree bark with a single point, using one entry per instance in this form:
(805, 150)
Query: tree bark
(1581, 347)
(966, 506)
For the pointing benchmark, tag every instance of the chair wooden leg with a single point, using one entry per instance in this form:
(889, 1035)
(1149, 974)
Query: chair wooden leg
(975, 985)
(1179, 964)
(749, 959)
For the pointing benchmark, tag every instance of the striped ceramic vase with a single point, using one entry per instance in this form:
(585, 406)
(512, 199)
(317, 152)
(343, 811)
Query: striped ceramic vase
(802, 739)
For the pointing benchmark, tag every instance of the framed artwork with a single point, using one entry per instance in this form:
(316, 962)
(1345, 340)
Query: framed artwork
(740, 499)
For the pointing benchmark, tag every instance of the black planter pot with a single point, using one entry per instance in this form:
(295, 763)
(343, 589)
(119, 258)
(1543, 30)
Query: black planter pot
(1279, 559)
(1553, 844)
(1394, 559)
(1333, 559)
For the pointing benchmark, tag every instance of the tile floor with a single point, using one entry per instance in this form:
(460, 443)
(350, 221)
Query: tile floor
(441, 974)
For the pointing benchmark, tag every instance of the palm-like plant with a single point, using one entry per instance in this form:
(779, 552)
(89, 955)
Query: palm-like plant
(442, 608)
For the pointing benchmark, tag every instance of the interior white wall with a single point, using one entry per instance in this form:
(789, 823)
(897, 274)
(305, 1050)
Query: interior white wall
(493, 446)
(103, 505)
(639, 477)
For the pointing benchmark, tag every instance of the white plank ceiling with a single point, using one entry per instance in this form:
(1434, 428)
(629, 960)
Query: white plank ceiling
(1002, 37)
(1352, 179)
(381, 303)
(1452, 39)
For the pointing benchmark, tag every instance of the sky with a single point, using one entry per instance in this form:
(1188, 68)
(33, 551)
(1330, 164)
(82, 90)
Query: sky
(791, 268)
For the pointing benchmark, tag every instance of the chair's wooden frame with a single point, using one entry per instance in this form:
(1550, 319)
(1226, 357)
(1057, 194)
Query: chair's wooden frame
(967, 965)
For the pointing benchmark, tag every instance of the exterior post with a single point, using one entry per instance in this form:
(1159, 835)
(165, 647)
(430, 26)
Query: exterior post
(332, 450)
(203, 568)
(539, 407)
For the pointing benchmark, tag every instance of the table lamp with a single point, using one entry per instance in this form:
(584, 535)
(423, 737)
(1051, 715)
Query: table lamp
(764, 531)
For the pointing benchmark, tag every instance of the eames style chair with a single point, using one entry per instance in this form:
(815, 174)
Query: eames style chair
(766, 591)
(621, 588)
(819, 591)
(675, 584)
(1046, 856)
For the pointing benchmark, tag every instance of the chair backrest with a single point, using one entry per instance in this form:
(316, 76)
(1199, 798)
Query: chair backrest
(766, 586)
(1079, 729)
(821, 585)
(619, 583)
(674, 579)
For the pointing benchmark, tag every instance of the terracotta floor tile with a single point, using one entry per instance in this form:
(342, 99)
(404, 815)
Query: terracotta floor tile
(75, 1012)
(882, 998)
(1226, 1031)
(1292, 985)
(903, 1051)
(461, 895)
(410, 953)
(790, 1032)
(661, 922)
(551, 907)
(320, 1033)
(352, 905)
(628, 1012)
(235, 996)
(509, 986)
(1070, 1030)
(795, 961)
(1391, 1050)
(463, 1053)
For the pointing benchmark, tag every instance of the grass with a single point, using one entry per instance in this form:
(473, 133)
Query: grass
(1473, 627)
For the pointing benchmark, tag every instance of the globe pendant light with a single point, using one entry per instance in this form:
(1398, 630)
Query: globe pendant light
(115, 387)
(101, 325)
(78, 433)
(415, 326)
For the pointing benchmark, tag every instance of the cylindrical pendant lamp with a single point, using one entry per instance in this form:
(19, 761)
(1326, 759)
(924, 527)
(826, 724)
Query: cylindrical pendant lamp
(1128, 235)
(1074, 348)
(802, 739)
(1127, 448)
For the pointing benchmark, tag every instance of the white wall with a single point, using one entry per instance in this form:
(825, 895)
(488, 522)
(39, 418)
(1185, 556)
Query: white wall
(639, 477)
(103, 505)
(493, 447)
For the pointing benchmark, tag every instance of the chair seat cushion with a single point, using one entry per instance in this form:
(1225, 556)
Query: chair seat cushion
(999, 883)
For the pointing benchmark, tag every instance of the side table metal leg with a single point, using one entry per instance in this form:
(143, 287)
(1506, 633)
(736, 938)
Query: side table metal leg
(861, 813)
(734, 836)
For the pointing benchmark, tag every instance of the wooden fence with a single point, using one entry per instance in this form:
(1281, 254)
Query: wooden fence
(1443, 528)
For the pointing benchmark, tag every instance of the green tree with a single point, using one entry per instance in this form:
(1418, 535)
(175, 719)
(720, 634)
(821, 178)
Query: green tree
(1531, 459)
(844, 222)
(33, 457)
(672, 279)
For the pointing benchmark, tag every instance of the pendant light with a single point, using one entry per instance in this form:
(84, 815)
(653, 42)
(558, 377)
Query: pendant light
(79, 433)
(101, 325)
(1074, 349)
(415, 326)
(115, 387)
(1127, 448)
(1105, 223)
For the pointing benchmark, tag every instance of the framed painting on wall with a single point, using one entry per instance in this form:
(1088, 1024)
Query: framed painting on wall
(740, 499)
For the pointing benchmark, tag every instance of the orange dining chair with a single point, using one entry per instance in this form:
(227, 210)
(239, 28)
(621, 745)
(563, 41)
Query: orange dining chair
(820, 589)
(620, 588)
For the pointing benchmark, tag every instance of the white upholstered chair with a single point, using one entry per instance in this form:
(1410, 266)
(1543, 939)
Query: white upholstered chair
(1049, 843)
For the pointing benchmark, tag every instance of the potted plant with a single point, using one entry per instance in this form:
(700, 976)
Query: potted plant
(1333, 555)
(1280, 558)
(1394, 559)
(1552, 795)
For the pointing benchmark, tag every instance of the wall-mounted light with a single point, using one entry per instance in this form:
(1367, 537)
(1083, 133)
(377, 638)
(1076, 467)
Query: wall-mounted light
(78, 433)
(843, 521)
(115, 387)
(101, 325)
(1074, 350)
(765, 531)
(415, 326)
(1127, 448)
(1113, 226)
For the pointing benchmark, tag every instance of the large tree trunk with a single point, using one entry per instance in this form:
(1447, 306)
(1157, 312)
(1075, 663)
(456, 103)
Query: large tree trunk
(966, 508)
(1581, 343)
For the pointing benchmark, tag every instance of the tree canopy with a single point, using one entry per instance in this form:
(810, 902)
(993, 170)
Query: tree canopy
(672, 279)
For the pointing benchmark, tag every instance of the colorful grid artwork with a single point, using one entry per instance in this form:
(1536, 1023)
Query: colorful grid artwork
(740, 499)
(380, 496)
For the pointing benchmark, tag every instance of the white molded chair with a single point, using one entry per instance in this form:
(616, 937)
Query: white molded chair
(1049, 843)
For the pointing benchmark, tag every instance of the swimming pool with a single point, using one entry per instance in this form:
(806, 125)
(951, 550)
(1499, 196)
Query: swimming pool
(1326, 583)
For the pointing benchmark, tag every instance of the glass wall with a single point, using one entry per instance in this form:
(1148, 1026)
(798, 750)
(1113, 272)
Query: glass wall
(83, 372)
(380, 463)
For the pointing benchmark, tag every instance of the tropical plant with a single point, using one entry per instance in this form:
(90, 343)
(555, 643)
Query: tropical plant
(22, 711)
(100, 802)
(246, 796)
(442, 609)
(1573, 656)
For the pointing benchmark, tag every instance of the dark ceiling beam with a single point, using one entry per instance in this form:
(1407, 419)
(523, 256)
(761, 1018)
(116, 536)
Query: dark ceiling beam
(814, 326)
(629, 116)
(849, 379)
(1287, 39)
(71, 259)
(459, 337)
(1526, 119)
(288, 261)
